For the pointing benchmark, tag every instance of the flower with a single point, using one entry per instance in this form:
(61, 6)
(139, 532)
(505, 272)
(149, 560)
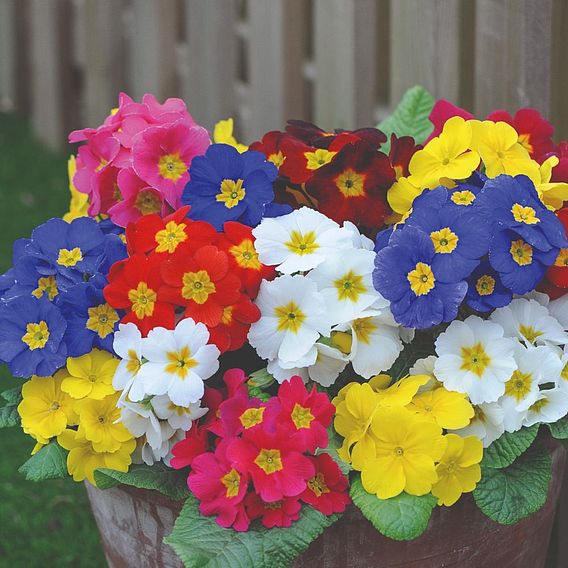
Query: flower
(162, 155)
(186, 450)
(293, 315)
(45, 409)
(327, 490)
(31, 336)
(141, 421)
(299, 241)
(178, 417)
(485, 290)
(405, 274)
(223, 134)
(178, 362)
(487, 423)
(550, 406)
(557, 274)
(83, 460)
(282, 513)
(441, 112)
(448, 409)
(405, 451)
(475, 358)
(128, 346)
(79, 202)
(228, 186)
(458, 470)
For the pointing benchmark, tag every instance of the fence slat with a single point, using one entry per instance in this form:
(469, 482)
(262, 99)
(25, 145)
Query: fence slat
(559, 71)
(345, 62)
(7, 54)
(208, 82)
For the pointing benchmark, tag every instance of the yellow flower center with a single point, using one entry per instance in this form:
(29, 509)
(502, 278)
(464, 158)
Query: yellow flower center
(227, 315)
(55, 406)
(179, 410)
(251, 417)
(350, 286)
(539, 405)
(171, 166)
(363, 329)
(180, 362)
(317, 485)
(197, 286)
(232, 481)
(485, 285)
(133, 365)
(521, 252)
(525, 215)
(232, 192)
(36, 336)
(475, 359)
(464, 197)
(519, 385)
(444, 240)
(301, 417)
(269, 461)
(277, 158)
(46, 285)
(101, 320)
(530, 333)
(245, 255)
(290, 317)
(399, 451)
(302, 244)
(350, 183)
(69, 258)
(143, 300)
(318, 158)
(147, 202)
(169, 238)
(562, 258)
(421, 279)
(564, 372)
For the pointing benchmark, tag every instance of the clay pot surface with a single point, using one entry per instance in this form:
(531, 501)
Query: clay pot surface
(133, 522)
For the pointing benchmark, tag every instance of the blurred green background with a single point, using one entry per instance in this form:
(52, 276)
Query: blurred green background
(46, 524)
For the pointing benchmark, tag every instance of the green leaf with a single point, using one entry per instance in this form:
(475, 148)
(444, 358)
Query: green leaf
(421, 346)
(200, 542)
(9, 413)
(506, 449)
(13, 396)
(403, 517)
(159, 477)
(559, 430)
(49, 463)
(410, 118)
(334, 443)
(510, 494)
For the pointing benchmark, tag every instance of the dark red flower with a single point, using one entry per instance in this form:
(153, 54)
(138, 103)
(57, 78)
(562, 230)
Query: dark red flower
(194, 444)
(556, 278)
(276, 514)
(270, 146)
(401, 151)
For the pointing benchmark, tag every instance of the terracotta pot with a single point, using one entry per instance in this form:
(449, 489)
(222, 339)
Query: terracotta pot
(133, 523)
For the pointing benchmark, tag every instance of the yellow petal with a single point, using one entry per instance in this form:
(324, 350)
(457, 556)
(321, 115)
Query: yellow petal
(448, 490)
(384, 477)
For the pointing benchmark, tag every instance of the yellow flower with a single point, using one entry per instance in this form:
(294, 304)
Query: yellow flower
(223, 134)
(399, 393)
(402, 194)
(83, 460)
(553, 194)
(447, 409)
(458, 470)
(90, 375)
(500, 151)
(406, 449)
(79, 203)
(45, 409)
(98, 422)
(446, 156)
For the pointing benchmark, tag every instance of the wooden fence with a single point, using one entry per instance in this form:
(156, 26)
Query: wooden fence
(341, 63)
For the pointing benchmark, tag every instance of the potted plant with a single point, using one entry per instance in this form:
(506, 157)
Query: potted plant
(331, 348)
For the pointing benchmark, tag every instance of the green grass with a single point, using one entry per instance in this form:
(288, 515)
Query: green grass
(42, 524)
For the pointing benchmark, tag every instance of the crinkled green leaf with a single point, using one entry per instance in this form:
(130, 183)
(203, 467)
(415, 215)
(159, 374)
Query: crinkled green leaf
(334, 443)
(49, 463)
(510, 494)
(200, 542)
(410, 118)
(506, 449)
(159, 477)
(9, 412)
(559, 430)
(421, 346)
(13, 396)
(404, 517)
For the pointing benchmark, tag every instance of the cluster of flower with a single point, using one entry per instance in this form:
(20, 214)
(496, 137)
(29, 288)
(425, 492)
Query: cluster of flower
(271, 444)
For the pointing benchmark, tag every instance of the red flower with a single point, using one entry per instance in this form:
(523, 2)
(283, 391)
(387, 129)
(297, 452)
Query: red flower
(194, 444)
(556, 279)
(133, 286)
(441, 112)
(277, 469)
(535, 133)
(560, 172)
(305, 415)
(401, 151)
(220, 488)
(270, 146)
(201, 281)
(353, 186)
(327, 490)
(276, 514)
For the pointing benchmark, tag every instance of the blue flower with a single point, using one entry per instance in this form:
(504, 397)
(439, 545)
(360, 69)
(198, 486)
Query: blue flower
(31, 336)
(228, 186)
(485, 290)
(405, 274)
(459, 234)
(465, 192)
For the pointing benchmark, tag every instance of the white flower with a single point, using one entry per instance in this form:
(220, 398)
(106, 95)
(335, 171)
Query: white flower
(531, 322)
(300, 240)
(559, 309)
(359, 241)
(140, 420)
(425, 366)
(293, 315)
(474, 358)
(145, 453)
(550, 406)
(127, 345)
(178, 417)
(562, 379)
(487, 423)
(346, 283)
(178, 362)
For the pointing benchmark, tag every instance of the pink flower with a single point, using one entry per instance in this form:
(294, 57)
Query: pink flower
(278, 514)
(441, 112)
(161, 156)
